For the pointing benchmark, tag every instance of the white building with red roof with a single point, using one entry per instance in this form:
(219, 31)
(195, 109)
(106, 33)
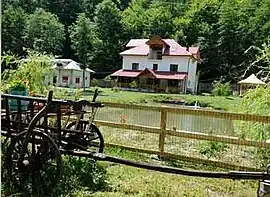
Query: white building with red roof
(160, 65)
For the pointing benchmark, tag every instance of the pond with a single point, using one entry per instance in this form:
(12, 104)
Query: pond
(178, 121)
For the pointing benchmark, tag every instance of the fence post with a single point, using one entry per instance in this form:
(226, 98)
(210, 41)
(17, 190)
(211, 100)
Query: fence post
(162, 134)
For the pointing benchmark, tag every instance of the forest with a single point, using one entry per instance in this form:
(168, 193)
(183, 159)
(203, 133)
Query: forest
(230, 33)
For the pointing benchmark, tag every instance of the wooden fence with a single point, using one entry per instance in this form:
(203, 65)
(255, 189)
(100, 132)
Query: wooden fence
(152, 120)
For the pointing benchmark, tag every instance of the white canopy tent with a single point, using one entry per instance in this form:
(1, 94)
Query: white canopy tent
(248, 83)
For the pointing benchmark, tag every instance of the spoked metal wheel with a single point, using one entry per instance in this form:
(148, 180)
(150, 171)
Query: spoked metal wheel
(89, 139)
(35, 170)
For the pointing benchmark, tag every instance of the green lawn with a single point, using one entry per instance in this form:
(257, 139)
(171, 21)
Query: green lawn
(109, 95)
(130, 181)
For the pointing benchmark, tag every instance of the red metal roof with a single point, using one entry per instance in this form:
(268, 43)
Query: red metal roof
(193, 50)
(136, 42)
(138, 50)
(171, 76)
(141, 48)
(126, 73)
(156, 74)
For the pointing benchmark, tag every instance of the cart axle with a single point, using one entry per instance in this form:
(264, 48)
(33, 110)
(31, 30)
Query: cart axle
(225, 175)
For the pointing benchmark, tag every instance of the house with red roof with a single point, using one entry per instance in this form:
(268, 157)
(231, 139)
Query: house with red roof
(159, 65)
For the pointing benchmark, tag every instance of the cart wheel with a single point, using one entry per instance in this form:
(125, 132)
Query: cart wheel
(91, 140)
(35, 170)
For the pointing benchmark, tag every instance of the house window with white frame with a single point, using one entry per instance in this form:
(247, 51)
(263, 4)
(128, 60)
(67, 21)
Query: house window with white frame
(173, 67)
(155, 67)
(135, 66)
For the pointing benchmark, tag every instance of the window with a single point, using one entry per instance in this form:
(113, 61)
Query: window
(135, 66)
(64, 79)
(173, 67)
(155, 66)
(77, 80)
(155, 53)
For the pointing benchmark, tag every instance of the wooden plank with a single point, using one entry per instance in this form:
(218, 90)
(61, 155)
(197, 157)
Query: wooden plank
(222, 115)
(132, 106)
(163, 123)
(184, 158)
(217, 138)
(186, 134)
(146, 129)
(196, 112)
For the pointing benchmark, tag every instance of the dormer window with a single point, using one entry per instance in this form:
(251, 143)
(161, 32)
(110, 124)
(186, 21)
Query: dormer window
(155, 53)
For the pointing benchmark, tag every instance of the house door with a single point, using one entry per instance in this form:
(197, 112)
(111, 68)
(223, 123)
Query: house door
(78, 83)
(54, 80)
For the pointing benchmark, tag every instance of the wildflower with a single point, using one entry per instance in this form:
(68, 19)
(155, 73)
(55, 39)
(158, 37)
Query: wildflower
(25, 82)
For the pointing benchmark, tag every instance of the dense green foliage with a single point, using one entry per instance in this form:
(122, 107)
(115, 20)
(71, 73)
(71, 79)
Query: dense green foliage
(80, 175)
(34, 71)
(221, 89)
(44, 32)
(228, 32)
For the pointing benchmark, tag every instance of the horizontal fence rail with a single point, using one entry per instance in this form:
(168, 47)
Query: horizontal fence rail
(151, 129)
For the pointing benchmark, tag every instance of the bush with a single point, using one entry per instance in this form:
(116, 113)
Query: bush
(256, 101)
(133, 84)
(221, 89)
(211, 149)
(80, 175)
(95, 82)
(33, 70)
(115, 89)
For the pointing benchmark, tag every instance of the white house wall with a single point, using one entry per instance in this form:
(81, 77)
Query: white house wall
(192, 81)
(72, 75)
(185, 64)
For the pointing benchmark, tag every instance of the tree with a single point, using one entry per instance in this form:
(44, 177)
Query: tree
(44, 32)
(89, 7)
(262, 63)
(158, 20)
(134, 18)
(259, 22)
(13, 24)
(109, 32)
(82, 38)
(28, 6)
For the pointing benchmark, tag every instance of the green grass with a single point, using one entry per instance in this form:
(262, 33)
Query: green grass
(130, 181)
(214, 102)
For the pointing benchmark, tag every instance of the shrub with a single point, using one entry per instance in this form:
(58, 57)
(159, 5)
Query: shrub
(133, 84)
(221, 89)
(115, 89)
(34, 70)
(95, 82)
(18, 85)
(80, 175)
(78, 94)
(256, 101)
(211, 149)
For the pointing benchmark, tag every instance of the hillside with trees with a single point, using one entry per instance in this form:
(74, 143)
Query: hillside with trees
(94, 32)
